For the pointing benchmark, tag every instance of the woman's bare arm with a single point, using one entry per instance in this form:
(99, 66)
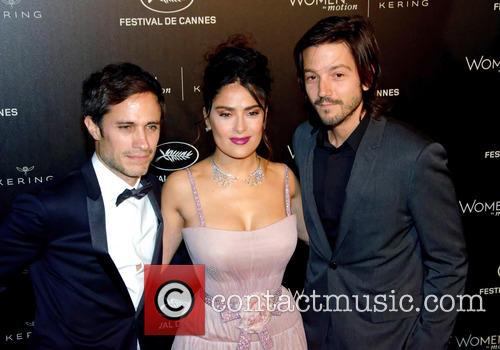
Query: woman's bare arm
(297, 208)
(171, 196)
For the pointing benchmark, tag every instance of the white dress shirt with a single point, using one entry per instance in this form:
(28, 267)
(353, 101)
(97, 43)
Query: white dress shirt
(130, 229)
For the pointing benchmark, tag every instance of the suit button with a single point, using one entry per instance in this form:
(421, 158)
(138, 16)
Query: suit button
(333, 265)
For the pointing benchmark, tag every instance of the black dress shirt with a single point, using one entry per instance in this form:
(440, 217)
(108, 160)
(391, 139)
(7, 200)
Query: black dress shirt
(332, 169)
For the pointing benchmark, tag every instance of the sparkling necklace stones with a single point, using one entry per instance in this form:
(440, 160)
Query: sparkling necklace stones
(225, 179)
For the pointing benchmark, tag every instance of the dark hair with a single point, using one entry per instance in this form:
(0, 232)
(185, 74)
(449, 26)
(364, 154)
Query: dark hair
(113, 85)
(236, 61)
(358, 34)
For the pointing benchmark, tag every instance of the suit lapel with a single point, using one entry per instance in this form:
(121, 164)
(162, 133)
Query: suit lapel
(323, 246)
(95, 209)
(361, 172)
(156, 258)
(154, 196)
(97, 226)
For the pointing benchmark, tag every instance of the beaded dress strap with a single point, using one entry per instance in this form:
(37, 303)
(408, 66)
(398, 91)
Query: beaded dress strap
(196, 198)
(287, 194)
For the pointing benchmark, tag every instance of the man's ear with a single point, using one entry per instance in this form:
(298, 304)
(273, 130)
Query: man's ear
(208, 127)
(92, 128)
(369, 84)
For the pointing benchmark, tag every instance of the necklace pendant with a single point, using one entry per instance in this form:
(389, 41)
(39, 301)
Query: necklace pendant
(256, 177)
(224, 179)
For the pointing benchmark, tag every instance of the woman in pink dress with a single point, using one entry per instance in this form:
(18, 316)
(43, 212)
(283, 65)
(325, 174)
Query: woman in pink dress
(239, 214)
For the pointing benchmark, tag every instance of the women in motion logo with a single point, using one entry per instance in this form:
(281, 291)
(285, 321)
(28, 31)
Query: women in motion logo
(162, 6)
(11, 3)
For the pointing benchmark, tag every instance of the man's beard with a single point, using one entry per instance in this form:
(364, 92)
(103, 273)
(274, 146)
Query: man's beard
(346, 110)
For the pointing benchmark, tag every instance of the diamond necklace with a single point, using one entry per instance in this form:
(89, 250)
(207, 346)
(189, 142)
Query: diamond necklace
(225, 179)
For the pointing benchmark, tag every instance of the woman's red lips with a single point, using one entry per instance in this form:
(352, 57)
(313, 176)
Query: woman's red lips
(240, 140)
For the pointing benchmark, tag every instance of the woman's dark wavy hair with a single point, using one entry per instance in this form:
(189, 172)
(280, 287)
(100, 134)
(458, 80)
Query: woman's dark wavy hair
(358, 34)
(235, 61)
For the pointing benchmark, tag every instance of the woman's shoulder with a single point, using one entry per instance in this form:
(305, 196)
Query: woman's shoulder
(278, 168)
(199, 169)
(180, 180)
(176, 183)
(279, 171)
(274, 166)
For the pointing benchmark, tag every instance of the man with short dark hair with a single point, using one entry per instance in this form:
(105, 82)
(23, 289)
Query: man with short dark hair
(378, 202)
(88, 237)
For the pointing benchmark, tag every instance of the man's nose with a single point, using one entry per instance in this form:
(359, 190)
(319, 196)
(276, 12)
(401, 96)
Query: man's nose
(141, 140)
(324, 88)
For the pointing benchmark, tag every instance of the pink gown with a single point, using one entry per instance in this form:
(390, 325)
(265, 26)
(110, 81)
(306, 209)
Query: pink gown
(244, 263)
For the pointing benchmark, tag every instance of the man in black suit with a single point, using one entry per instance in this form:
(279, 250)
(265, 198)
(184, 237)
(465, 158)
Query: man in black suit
(88, 237)
(378, 202)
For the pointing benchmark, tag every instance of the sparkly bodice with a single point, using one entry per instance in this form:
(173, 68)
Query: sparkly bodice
(242, 262)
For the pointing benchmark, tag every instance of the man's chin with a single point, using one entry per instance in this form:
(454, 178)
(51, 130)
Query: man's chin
(330, 121)
(137, 166)
(136, 172)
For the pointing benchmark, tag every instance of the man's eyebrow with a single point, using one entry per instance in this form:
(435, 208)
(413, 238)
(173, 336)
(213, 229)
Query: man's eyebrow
(337, 66)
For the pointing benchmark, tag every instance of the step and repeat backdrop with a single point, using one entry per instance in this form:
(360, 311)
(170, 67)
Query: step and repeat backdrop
(440, 74)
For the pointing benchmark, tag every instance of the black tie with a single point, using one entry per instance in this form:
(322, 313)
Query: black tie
(137, 193)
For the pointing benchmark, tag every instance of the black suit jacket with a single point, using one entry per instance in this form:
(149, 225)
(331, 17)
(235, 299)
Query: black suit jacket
(81, 300)
(400, 233)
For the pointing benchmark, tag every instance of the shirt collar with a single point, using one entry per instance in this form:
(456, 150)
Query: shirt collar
(352, 141)
(111, 185)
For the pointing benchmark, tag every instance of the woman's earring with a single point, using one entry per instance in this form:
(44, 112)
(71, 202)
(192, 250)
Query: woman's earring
(207, 123)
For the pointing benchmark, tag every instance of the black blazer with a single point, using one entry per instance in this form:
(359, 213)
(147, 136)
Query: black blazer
(81, 300)
(400, 230)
